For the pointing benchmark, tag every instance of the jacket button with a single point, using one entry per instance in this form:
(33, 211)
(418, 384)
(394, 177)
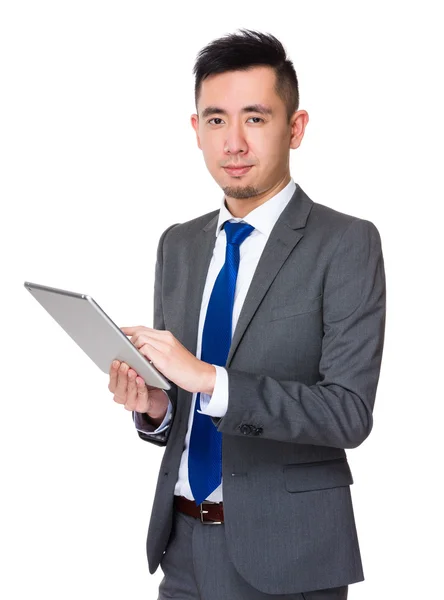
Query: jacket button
(245, 429)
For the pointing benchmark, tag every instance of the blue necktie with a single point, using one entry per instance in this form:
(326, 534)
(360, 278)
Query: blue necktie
(205, 451)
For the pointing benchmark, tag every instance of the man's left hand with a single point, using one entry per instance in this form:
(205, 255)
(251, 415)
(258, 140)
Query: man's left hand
(172, 359)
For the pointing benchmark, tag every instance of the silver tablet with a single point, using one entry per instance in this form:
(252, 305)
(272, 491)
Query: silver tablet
(91, 328)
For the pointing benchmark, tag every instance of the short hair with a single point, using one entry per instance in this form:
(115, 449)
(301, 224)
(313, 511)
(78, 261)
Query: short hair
(240, 52)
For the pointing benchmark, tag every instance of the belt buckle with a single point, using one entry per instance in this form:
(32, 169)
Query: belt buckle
(205, 511)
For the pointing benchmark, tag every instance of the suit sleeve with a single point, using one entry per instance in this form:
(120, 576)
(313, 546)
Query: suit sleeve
(337, 410)
(160, 438)
(144, 424)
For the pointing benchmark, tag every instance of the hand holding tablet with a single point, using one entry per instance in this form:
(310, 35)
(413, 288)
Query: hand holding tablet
(96, 334)
(91, 328)
(130, 390)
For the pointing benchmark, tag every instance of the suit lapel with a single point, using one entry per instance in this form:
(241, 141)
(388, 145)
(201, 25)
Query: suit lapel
(287, 232)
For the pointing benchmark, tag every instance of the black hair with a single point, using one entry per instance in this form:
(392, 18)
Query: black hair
(240, 52)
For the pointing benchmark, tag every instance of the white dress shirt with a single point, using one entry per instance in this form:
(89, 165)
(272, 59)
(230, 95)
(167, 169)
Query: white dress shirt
(263, 218)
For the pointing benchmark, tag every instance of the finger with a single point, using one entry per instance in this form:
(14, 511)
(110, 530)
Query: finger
(131, 392)
(141, 402)
(139, 340)
(126, 330)
(134, 339)
(132, 330)
(147, 350)
(156, 348)
(155, 356)
(148, 333)
(113, 375)
(143, 399)
(122, 383)
(155, 333)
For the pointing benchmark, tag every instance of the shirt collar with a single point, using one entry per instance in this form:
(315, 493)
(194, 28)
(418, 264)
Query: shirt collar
(264, 217)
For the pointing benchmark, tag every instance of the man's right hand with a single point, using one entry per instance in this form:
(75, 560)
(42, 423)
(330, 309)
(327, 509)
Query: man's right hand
(130, 390)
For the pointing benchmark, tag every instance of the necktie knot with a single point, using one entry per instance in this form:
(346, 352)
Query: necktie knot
(237, 232)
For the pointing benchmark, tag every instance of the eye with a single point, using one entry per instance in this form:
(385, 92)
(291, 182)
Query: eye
(219, 119)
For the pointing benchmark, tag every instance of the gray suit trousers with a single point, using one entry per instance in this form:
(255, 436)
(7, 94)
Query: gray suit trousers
(196, 566)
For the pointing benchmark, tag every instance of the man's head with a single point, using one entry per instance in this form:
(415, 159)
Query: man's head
(247, 99)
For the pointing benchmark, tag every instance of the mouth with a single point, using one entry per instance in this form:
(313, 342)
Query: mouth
(236, 171)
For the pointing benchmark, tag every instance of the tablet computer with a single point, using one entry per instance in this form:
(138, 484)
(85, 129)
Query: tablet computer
(96, 334)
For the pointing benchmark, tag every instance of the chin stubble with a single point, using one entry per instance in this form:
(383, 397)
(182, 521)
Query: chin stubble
(247, 191)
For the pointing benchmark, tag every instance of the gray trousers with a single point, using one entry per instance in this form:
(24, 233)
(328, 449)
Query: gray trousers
(196, 566)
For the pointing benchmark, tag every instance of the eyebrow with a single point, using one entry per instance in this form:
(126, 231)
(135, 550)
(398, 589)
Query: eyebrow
(259, 108)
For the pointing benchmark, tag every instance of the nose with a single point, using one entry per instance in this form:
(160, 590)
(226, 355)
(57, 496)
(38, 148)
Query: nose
(235, 141)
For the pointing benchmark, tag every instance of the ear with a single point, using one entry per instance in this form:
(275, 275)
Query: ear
(195, 125)
(299, 122)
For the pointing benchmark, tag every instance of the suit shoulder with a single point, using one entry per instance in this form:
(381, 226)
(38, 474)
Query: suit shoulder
(326, 217)
(190, 228)
(327, 214)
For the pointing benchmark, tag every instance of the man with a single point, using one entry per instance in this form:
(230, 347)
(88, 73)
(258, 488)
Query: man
(269, 319)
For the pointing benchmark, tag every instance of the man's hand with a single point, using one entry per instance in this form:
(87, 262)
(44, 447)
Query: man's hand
(130, 390)
(172, 359)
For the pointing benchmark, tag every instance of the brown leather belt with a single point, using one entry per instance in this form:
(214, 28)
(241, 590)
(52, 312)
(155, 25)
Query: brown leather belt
(211, 513)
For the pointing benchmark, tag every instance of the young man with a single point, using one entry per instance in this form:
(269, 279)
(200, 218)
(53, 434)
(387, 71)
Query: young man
(269, 319)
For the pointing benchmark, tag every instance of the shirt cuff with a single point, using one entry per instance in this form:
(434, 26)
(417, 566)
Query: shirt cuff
(142, 424)
(216, 405)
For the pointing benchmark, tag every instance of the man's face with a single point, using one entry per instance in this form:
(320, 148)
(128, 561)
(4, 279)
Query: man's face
(241, 121)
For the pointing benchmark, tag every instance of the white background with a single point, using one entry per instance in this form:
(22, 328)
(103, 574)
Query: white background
(98, 157)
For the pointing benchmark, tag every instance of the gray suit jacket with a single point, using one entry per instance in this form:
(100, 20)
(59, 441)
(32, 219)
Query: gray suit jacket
(303, 369)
